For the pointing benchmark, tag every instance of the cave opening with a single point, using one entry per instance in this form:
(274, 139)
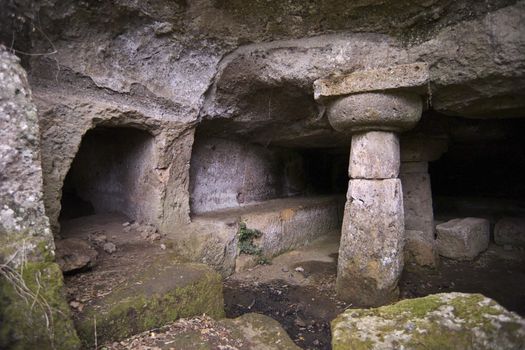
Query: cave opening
(111, 174)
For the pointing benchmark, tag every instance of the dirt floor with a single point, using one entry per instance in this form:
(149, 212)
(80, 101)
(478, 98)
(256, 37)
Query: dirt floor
(297, 289)
(135, 249)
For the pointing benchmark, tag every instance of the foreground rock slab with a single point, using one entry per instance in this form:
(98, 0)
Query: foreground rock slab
(161, 293)
(463, 239)
(249, 331)
(440, 321)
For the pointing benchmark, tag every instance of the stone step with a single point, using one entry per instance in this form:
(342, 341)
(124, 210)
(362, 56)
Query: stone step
(249, 331)
(157, 294)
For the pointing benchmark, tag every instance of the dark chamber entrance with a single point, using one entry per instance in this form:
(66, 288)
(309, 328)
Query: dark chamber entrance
(111, 173)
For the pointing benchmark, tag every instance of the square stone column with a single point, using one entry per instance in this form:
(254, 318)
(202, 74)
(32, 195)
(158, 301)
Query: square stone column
(416, 152)
(419, 216)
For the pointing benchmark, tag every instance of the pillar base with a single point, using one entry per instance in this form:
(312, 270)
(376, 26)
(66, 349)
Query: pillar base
(371, 251)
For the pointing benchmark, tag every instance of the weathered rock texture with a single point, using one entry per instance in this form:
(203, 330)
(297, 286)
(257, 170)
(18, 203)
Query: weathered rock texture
(249, 331)
(374, 155)
(419, 215)
(510, 231)
(440, 321)
(176, 63)
(75, 254)
(368, 272)
(162, 293)
(463, 239)
(419, 250)
(247, 69)
(33, 311)
(370, 256)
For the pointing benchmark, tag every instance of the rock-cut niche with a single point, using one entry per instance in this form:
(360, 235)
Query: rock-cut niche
(112, 173)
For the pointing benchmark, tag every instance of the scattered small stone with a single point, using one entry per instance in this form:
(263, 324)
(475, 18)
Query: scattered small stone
(110, 248)
(299, 269)
(284, 269)
(163, 28)
(127, 223)
(163, 246)
(299, 322)
(97, 238)
(154, 237)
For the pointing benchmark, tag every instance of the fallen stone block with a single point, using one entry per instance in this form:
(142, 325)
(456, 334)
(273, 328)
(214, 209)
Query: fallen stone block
(440, 321)
(157, 295)
(463, 239)
(510, 231)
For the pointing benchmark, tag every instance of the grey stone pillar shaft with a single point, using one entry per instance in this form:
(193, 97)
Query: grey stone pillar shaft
(371, 250)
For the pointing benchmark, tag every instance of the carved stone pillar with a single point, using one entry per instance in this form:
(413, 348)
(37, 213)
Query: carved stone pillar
(373, 106)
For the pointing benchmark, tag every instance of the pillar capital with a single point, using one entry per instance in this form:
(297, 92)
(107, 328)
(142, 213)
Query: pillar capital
(385, 99)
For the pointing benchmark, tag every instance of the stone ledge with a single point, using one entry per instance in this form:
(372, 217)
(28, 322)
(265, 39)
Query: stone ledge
(414, 76)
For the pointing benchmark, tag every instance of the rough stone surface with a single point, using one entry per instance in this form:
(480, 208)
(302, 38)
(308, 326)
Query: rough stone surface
(371, 251)
(163, 293)
(26, 242)
(440, 321)
(21, 209)
(374, 155)
(417, 198)
(420, 250)
(249, 331)
(284, 224)
(262, 332)
(229, 174)
(75, 254)
(414, 77)
(463, 239)
(422, 149)
(510, 231)
(395, 111)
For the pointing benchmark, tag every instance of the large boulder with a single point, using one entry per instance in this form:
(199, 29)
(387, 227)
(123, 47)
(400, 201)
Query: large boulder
(510, 231)
(440, 321)
(463, 239)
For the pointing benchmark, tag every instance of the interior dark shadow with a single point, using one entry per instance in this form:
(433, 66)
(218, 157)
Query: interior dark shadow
(109, 175)
(482, 173)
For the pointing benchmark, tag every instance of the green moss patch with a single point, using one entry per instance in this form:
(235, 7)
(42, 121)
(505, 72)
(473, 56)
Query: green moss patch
(159, 295)
(441, 321)
(33, 311)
